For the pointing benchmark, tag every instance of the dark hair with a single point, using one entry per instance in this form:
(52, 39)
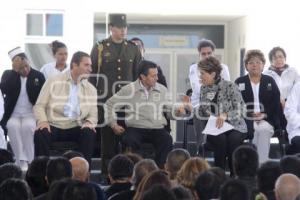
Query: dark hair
(245, 161)
(6, 157)
(182, 193)
(35, 175)
(77, 57)
(55, 45)
(134, 157)
(141, 169)
(207, 185)
(220, 173)
(79, 191)
(234, 189)
(144, 67)
(72, 154)
(120, 167)
(210, 65)
(290, 164)
(175, 160)
(206, 43)
(273, 51)
(137, 39)
(158, 192)
(13, 189)
(267, 175)
(57, 188)
(58, 168)
(9, 170)
(254, 53)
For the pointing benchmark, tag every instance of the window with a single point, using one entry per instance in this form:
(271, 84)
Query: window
(44, 24)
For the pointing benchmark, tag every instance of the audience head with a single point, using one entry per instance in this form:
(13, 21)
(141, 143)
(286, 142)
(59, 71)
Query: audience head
(9, 170)
(35, 175)
(80, 168)
(72, 154)
(175, 160)
(57, 169)
(182, 193)
(207, 186)
(57, 189)
(6, 157)
(267, 175)
(210, 70)
(158, 192)
(206, 48)
(120, 167)
(287, 187)
(290, 164)
(134, 157)
(142, 169)
(79, 191)
(15, 189)
(234, 189)
(245, 161)
(220, 173)
(190, 170)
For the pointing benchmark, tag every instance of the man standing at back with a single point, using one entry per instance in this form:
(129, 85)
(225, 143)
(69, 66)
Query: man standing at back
(206, 48)
(114, 64)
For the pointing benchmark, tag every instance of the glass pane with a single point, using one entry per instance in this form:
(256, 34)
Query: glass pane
(38, 54)
(34, 24)
(54, 24)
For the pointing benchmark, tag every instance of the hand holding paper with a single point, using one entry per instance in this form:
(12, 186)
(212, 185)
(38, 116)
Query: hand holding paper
(212, 129)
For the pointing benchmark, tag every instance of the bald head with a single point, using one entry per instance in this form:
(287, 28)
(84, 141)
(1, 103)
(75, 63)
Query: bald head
(287, 187)
(80, 168)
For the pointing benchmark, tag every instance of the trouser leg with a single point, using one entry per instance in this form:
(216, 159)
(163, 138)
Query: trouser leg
(42, 142)
(27, 133)
(219, 145)
(14, 134)
(86, 143)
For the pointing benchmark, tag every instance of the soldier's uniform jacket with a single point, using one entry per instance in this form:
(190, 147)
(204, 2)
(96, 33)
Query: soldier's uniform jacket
(114, 69)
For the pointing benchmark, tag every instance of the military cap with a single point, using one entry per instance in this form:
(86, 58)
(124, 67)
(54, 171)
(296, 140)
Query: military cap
(118, 20)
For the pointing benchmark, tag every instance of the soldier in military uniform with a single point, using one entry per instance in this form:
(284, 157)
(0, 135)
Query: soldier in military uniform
(114, 61)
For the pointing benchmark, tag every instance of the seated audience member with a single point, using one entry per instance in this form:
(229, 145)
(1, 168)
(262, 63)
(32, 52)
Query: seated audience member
(175, 160)
(222, 99)
(15, 189)
(207, 186)
(9, 170)
(80, 169)
(144, 101)
(262, 97)
(158, 192)
(134, 157)
(60, 53)
(292, 114)
(66, 109)
(20, 86)
(234, 190)
(79, 191)
(35, 175)
(154, 178)
(57, 189)
(120, 169)
(287, 187)
(57, 169)
(190, 170)
(182, 193)
(71, 154)
(290, 164)
(220, 173)
(267, 175)
(6, 157)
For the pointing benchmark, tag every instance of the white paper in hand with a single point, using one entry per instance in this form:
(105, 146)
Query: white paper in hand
(211, 129)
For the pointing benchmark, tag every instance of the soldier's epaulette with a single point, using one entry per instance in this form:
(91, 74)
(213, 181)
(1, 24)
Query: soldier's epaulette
(101, 42)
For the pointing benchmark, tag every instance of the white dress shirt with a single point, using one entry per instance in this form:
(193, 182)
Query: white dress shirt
(50, 69)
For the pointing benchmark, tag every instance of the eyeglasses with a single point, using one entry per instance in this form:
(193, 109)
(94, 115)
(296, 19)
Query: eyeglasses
(255, 62)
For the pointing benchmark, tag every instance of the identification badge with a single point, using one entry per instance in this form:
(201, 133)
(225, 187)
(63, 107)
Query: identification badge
(210, 95)
(242, 86)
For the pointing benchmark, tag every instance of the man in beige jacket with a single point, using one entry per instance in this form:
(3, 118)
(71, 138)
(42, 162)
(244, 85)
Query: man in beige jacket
(66, 109)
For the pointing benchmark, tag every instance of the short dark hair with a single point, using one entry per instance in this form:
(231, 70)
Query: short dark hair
(234, 189)
(290, 164)
(211, 64)
(79, 191)
(35, 175)
(9, 170)
(158, 192)
(72, 154)
(55, 45)
(267, 175)
(12, 189)
(141, 169)
(6, 157)
(206, 43)
(175, 160)
(120, 167)
(207, 185)
(273, 51)
(182, 193)
(254, 53)
(77, 57)
(144, 67)
(58, 168)
(57, 188)
(137, 39)
(245, 161)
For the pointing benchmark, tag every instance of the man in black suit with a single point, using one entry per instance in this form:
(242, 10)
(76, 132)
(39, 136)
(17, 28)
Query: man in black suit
(20, 87)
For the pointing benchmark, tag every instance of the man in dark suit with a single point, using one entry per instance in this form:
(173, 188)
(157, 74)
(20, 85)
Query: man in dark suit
(20, 87)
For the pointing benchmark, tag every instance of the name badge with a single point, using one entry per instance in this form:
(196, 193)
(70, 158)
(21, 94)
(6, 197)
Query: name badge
(269, 87)
(242, 86)
(210, 95)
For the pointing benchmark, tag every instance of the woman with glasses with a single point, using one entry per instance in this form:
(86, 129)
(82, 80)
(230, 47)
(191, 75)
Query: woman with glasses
(262, 97)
